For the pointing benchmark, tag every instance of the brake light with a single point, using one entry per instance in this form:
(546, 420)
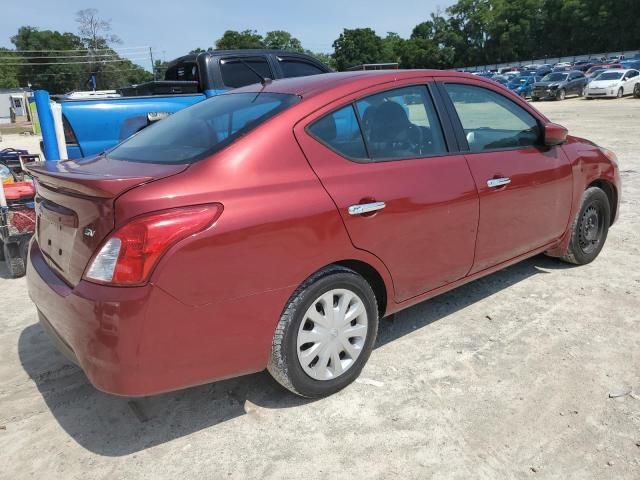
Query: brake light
(69, 135)
(130, 253)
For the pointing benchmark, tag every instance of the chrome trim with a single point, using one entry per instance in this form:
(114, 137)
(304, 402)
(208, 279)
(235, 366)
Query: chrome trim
(498, 182)
(366, 208)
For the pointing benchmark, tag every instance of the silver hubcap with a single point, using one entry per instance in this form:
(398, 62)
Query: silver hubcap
(332, 334)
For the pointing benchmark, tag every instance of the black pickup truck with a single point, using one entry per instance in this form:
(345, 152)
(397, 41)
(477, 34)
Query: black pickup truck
(93, 125)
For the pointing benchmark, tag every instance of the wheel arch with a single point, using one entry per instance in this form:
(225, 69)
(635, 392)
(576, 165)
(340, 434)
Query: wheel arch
(612, 194)
(373, 277)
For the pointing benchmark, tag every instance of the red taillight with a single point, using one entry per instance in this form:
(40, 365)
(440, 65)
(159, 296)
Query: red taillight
(69, 135)
(129, 255)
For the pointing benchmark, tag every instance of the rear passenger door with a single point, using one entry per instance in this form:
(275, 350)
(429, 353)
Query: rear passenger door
(391, 167)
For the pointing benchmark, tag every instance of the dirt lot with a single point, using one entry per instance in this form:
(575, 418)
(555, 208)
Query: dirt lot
(507, 377)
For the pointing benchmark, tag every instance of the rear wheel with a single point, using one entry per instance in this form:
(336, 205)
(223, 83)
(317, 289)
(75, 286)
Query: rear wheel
(582, 92)
(636, 90)
(325, 334)
(590, 227)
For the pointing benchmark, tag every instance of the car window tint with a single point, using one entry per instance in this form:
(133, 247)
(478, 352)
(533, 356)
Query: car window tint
(297, 68)
(490, 120)
(340, 131)
(401, 123)
(203, 129)
(236, 73)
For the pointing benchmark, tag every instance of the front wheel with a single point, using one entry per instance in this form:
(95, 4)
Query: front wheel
(620, 93)
(590, 227)
(561, 94)
(534, 99)
(326, 333)
(13, 259)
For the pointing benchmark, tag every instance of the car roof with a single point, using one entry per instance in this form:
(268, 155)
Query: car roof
(316, 84)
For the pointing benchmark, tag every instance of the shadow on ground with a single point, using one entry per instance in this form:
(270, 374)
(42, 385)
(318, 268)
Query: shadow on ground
(114, 426)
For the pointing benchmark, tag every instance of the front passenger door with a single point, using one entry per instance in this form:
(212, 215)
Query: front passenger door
(525, 188)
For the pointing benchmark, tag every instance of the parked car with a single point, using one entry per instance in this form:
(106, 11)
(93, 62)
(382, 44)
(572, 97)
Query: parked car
(523, 85)
(558, 85)
(613, 83)
(94, 125)
(271, 227)
(543, 70)
(594, 73)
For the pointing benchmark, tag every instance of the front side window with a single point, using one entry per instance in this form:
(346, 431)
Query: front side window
(298, 68)
(401, 123)
(492, 121)
(202, 129)
(237, 72)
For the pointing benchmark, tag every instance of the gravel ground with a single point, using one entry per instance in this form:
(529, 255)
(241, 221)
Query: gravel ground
(507, 377)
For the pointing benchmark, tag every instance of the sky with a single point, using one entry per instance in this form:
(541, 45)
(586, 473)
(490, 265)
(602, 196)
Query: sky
(173, 27)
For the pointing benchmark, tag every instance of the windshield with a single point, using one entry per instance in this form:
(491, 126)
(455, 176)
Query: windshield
(609, 76)
(202, 129)
(555, 77)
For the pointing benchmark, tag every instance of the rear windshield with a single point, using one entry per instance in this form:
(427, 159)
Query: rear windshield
(202, 129)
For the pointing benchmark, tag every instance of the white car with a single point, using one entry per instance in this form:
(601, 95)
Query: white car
(613, 83)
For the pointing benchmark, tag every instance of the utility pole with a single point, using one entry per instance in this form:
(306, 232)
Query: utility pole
(153, 67)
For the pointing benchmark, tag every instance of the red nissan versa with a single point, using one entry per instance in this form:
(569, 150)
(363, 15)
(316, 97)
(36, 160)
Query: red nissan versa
(272, 226)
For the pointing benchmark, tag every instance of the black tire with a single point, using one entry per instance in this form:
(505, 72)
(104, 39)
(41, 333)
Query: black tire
(620, 93)
(586, 243)
(534, 99)
(636, 90)
(561, 95)
(13, 260)
(284, 364)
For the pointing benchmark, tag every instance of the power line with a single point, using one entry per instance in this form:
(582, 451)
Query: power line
(80, 50)
(82, 74)
(29, 57)
(73, 63)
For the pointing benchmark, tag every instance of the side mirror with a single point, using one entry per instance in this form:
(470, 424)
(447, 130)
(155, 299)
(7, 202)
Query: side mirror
(554, 134)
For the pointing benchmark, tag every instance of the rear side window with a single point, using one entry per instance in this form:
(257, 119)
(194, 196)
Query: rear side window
(297, 68)
(340, 132)
(492, 121)
(401, 123)
(202, 129)
(237, 72)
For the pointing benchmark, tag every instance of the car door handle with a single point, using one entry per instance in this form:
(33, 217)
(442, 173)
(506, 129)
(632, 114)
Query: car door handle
(366, 208)
(498, 182)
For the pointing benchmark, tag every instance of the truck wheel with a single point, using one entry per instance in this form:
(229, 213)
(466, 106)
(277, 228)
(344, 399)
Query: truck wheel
(325, 334)
(590, 227)
(13, 260)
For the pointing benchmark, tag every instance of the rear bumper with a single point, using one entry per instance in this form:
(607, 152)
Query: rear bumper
(142, 341)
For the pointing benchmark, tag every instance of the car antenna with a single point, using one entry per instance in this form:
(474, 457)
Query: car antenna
(263, 80)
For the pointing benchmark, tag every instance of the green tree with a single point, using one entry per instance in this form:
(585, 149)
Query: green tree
(357, 46)
(8, 72)
(233, 40)
(281, 40)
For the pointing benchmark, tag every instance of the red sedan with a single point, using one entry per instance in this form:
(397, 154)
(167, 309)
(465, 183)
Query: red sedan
(271, 227)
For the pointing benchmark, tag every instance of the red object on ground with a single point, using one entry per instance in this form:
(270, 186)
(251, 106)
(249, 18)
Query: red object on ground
(24, 221)
(19, 190)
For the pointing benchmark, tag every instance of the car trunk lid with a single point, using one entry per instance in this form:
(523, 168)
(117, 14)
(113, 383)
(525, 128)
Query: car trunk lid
(75, 206)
